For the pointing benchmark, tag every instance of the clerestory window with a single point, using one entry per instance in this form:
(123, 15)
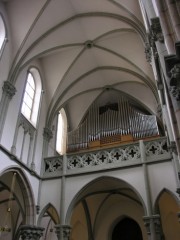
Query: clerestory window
(61, 132)
(31, 98)
(2, 34)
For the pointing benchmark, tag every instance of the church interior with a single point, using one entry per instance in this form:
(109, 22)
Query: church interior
(89, 119)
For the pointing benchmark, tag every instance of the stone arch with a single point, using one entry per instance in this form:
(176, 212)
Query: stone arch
(24, 186)
(97, 197)
(48, 218)
(167, 206)
(52, 212)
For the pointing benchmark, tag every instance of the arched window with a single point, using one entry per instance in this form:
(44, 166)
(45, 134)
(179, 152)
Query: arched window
(31, 98)
(2, 33)
(61, 132)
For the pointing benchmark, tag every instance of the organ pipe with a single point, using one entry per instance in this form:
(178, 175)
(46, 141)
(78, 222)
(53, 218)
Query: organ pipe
(120, 119)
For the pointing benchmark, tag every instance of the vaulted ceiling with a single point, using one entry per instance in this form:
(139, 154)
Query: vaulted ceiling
(86, 50)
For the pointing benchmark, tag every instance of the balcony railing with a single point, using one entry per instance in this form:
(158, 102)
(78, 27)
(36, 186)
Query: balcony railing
(106, 159)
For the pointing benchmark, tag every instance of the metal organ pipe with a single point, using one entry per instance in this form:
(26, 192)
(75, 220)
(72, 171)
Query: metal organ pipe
(121, 121)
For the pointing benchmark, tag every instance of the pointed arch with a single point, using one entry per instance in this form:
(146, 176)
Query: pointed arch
(84, 192)
(51, 210)
(20, 191)
(167, 206)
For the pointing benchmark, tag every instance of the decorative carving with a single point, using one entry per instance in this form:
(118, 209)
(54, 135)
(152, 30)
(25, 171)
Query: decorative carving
(159, 110)
(132, 152)
(175, 91)
(37, 209)
(172, 147)
(148, 52)
(175, 75)
(156, 29)
(124, 154)
(147, 221)
(66, 231)
(9, 89)
(89, 44)
(47, 134)
(156, 148)
(53, 165)
(28, 232)
(157, 223)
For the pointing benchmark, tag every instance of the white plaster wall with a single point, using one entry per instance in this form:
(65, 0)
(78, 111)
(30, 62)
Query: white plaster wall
(51, 193)
(161, 176)
(133, 176)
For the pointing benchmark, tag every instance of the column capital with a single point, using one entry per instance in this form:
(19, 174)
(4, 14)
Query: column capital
(148, 52)
(147, 222)
(47, 134)
(29, 232)
(153, 219)
(157, 223)
(156, 30)
(175, 92)
(9, 89)
(65, 230)
(173, 147)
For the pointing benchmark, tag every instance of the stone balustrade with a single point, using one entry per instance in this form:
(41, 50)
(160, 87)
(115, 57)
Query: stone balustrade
(129, 155)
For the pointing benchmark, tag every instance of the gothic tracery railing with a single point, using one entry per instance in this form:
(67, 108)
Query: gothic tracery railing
(123, 155)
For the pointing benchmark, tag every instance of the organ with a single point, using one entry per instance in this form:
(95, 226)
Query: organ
(112, 123)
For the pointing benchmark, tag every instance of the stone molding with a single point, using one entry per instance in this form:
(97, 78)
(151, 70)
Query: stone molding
(9, 89)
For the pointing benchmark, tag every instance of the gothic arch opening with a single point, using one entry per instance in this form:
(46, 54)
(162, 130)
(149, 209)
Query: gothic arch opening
(168, 206)
(97, 206)
(48, 219)
(126, 229)
(16, 203)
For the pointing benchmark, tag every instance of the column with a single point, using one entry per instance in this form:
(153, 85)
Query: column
(150, 221)
(28, 232)
(63, 230)
(47, 134)
(8, 92)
